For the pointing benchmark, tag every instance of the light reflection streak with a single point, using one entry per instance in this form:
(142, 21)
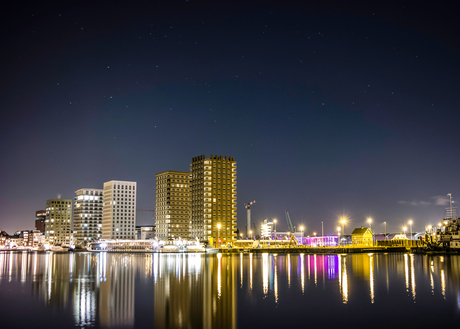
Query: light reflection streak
(345, 281)
(241, 270)
(316, 271)
(406, 271)
(443, 283)
(275, 288)
(219, 275)
(340, 273)
(250, 271)
(265, 273)
(388, 282)
(302, 272)
(412, 276)
(10, 271)
(431, 278)
(23, 266)
(371, 277)
(289, 270)
(155, 267)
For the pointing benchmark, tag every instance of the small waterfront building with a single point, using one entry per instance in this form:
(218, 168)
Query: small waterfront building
(361, 237)
(145, 232)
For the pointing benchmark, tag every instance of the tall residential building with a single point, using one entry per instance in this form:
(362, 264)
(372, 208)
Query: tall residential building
(119, 210)
(172, 206)
(40, 217)
(58, 223)
(213, 198)
(87, 215)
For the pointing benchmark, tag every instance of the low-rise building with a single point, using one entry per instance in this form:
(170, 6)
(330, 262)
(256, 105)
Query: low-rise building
(145, 232)
(362, 237)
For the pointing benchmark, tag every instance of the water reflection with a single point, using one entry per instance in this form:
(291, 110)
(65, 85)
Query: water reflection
(202, 291)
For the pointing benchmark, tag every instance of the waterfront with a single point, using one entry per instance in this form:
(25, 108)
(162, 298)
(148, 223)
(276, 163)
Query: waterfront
(130, 290)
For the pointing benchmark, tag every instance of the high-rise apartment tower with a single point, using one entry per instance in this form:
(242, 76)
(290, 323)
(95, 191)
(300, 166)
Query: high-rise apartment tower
(58, 222)
(87, 215)
(213, 198)
(172, 207)
(119, 210)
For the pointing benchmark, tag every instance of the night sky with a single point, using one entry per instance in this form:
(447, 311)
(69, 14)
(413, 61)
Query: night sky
(328, 108)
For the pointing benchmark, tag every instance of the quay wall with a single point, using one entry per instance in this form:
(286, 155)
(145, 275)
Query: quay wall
(308, 250)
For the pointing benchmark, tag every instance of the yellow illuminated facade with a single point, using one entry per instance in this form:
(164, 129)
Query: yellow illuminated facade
(58, 222)
(213, 198)
(172, 206)
(87, 215)
(361, 236)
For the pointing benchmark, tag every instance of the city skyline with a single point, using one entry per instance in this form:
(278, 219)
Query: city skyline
(329, 109)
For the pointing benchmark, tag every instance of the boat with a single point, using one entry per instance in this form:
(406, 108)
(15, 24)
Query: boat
(446, 235)
(58, 249)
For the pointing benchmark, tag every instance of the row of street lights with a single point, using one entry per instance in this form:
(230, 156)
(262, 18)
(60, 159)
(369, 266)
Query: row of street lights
(340, 231)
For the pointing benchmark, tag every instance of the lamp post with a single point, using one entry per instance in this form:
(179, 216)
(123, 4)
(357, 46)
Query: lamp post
(410, 224)
(338, 234)
(369, 220)
(218, 234)
(241, 235)
(404, 229)
(250, 233)
(322, 233)
(343, 221)
(274, 221)
(385, 229)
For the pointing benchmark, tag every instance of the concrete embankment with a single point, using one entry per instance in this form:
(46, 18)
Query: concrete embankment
(438, 251)
(308, 250)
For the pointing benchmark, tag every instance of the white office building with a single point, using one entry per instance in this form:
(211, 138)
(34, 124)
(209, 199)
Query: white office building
(119, 210)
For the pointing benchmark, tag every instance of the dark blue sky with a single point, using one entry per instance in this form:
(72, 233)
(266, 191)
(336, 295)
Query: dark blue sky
(327, 108)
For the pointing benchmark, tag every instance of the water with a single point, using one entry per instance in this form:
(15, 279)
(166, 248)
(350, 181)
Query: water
(110, 290)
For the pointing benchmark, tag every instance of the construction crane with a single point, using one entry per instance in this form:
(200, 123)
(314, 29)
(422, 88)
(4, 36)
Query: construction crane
(147, 210)
(248, 207)
(289, 223)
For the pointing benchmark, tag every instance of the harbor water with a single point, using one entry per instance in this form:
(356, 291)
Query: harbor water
(264, 290)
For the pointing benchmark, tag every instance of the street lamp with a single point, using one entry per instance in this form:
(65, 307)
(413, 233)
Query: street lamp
(410, 224)
(250, 233)
(338, 234)
(218, 233)
(343, 221)
(385, 229)
(241, 235)
(301, 230)
(274, 221)
(369, 220)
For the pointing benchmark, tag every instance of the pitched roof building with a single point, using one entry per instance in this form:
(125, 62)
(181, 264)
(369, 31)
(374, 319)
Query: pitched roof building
(362, 237)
